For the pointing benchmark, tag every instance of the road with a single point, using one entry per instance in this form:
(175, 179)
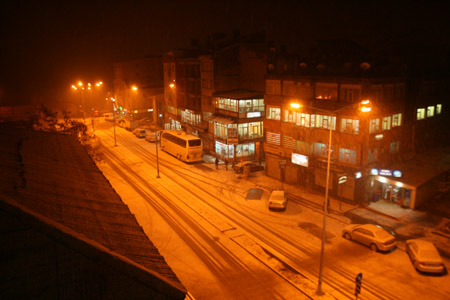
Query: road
(223, 246)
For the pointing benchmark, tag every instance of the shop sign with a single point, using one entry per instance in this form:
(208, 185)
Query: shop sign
(254, 114)
(299, 159)
(385, 172)
(342, 179)
(378, 137)
(397, 173)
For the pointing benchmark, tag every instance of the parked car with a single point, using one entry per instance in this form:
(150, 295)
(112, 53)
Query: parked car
(140, 132)
(424, 256)
(370, 235)
(239, 167)
(108, 117)
(278, 200)
(151, 136)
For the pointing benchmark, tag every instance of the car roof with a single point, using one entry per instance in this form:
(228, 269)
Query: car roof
(422, 243)
(278, 193)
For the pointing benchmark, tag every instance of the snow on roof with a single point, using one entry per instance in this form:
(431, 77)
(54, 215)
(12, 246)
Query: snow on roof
(53, 175)
(424, 167)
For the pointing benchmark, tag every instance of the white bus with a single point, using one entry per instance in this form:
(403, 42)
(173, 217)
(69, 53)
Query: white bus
(185, 147)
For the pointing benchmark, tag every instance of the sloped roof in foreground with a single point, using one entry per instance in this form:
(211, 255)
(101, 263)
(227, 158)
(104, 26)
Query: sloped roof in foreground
(63, 223)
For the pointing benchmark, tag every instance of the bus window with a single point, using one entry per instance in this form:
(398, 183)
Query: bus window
(195, 143)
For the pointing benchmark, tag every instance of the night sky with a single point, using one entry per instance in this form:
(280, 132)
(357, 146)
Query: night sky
(48, 45)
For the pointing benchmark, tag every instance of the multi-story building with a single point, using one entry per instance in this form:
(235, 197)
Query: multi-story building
(138, 89)
(232, 77)
(182, 91)
(307, 100)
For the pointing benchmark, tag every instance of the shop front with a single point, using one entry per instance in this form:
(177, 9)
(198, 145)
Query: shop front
(237, 152)
(393, 191)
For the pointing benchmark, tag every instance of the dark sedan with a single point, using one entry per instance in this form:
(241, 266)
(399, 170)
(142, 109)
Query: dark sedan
(239, 167)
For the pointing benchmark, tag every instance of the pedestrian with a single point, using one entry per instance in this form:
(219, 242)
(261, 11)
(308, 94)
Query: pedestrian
(217, 163)
(226, 165)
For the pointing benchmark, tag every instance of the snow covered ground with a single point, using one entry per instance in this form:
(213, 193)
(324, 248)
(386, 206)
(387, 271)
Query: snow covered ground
(223, 246)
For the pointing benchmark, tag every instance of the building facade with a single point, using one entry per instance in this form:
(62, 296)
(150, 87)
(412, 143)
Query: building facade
(308, 100)
(232, 77)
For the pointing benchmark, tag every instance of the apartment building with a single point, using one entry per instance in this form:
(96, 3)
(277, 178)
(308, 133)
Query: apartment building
(232, 77)
(309, 100)
(182, 91)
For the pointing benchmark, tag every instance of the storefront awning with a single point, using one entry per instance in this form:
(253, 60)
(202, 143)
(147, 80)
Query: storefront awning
(222, 120)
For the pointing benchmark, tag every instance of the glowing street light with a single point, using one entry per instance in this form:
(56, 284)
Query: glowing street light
(364, 107)
(81, 86)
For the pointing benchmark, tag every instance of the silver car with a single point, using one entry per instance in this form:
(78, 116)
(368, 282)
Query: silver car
(424, 256)
(278, 200)
(370, 235)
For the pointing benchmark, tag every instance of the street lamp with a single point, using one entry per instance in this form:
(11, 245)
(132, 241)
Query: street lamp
(158, 138)
(82, 87)
(364, 106)
(113, 101)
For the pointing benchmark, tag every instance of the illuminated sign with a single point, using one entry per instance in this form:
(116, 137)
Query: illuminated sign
(299, 159)
(342, 179)
(397, 173)
(385, 172)
(254, 114)
(379, 137)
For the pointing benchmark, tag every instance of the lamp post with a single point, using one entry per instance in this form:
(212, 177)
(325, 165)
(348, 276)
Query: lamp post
(113, 101)
(158, 135)
(364, 106)
(82, 87)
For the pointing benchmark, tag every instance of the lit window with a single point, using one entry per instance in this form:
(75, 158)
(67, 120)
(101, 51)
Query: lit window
(349, 126)
(438, 108)
(386, 123)
(396, 120)
(326, 91)
(420, 113)
(374, 125)
(347, 156)
(273, 113)
(321, 121)
(430, 111)
(322, 150)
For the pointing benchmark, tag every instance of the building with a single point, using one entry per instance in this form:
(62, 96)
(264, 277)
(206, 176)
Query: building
(138, 89)
(232, 91)
(309, 99)
(182, 92)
